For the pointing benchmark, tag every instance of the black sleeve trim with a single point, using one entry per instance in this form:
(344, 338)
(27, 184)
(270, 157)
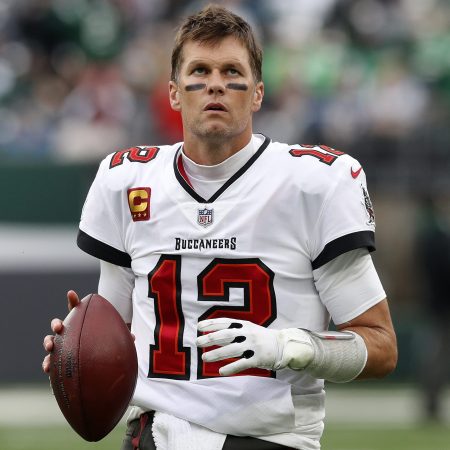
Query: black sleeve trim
(344, 244)
(102, 251)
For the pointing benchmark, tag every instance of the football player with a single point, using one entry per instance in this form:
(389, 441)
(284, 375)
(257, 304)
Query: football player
(229, 254)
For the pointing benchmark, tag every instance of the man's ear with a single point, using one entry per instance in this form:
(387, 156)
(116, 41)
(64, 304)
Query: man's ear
(174, 96)
(258, 96)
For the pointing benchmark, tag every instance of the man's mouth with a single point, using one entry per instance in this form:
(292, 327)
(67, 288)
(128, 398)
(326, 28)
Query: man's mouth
(215, 107)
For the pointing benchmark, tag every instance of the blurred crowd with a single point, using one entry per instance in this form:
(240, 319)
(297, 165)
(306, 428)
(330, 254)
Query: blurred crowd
(82, 78)
(79, 79)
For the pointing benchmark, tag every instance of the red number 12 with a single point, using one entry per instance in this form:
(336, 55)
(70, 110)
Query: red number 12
(168, 357)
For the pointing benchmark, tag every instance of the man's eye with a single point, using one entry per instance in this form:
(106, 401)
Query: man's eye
(199, 71)
(233, 72)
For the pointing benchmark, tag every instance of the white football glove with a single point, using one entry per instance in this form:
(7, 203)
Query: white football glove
(254, 345)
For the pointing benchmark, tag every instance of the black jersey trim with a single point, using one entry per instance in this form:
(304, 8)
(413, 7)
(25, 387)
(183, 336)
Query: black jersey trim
(184, 184)
(344, 244)
(227, 184)
(102, 251)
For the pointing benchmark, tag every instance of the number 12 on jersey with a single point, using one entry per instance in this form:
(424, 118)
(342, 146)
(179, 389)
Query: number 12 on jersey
(168, 357)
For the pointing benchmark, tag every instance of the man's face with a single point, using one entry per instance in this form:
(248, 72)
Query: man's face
(216, 92)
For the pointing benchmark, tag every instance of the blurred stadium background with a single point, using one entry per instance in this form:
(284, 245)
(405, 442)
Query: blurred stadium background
(79, 79)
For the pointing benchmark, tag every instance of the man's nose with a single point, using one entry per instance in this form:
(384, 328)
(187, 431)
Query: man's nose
(216, 84)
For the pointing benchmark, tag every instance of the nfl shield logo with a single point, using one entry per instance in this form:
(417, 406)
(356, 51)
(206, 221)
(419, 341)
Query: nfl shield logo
(205, 217)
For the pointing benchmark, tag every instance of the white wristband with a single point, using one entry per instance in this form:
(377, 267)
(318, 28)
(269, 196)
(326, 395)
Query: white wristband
(338, 356)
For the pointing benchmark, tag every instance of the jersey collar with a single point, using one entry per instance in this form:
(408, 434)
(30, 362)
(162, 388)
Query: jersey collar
(183, 179)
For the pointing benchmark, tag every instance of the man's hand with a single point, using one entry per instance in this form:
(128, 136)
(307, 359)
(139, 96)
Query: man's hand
(255, 346)
(57, 327)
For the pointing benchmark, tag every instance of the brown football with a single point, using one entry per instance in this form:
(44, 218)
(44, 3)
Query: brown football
(93, 368)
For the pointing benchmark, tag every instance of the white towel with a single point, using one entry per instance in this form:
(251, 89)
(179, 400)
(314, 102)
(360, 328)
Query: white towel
(249, 406)
(171, 433)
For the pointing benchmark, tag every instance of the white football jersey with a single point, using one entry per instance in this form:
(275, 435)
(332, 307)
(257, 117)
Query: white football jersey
(248, 252)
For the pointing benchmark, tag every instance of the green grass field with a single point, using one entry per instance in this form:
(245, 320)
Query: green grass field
(358, 418)
(420, 437)
(424, 437)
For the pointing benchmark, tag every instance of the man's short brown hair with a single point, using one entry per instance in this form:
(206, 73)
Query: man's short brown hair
(210, 25)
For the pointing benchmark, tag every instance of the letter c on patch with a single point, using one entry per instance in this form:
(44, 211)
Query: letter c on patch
(139, 203)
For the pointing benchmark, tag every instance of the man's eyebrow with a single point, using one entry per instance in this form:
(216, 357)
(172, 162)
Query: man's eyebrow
(208, 62)
(196, 62)
(236, 65)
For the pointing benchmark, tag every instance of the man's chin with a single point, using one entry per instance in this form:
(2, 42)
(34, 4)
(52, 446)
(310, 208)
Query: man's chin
(215, 133)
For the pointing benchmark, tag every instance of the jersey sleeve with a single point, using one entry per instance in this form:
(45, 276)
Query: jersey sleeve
(100, 231)
(116, 284)
(346, 220)
(349, 285)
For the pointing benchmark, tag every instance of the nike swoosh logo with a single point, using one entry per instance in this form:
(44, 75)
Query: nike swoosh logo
(355, 173)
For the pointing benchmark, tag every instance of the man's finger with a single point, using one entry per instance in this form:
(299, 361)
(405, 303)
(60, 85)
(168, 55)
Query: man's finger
(214, 324)
(72, 299)
(235, 367)
(46, 364)
(221, 337)
(57, 325)
(229, 351)
(48, 343)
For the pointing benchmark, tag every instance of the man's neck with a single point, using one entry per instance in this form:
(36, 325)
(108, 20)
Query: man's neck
(211, 152)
